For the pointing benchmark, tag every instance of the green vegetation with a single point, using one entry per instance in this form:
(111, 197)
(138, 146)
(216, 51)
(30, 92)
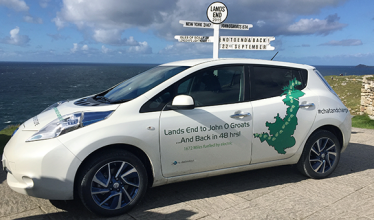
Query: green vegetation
(348, 89)
(5, 135)
(362, 121)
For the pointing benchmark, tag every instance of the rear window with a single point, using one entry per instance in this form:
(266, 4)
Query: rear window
(326, 83)
(269, 81)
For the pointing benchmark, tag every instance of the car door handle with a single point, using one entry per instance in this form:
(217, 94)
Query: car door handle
(307, 105)
(240, 115)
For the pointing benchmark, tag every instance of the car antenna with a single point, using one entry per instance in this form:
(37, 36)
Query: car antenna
(274, 55)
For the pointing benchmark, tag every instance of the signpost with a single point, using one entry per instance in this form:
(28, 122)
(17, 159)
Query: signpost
(217, 13)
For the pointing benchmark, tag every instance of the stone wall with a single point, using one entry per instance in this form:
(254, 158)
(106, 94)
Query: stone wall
(367, 96)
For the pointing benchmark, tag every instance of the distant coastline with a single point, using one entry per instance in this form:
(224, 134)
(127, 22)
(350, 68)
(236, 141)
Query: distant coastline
(363, 66)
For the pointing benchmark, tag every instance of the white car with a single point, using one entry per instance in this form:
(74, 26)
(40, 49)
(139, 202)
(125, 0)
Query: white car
(179, 121)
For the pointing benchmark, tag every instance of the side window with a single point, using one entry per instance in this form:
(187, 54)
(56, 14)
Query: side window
(215, 86)
(211, 86)
(267, 82)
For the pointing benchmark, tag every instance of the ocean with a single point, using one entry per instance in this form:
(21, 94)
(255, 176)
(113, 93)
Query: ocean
(28, 88)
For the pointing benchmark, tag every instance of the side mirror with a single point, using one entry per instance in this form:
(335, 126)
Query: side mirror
(182, 102)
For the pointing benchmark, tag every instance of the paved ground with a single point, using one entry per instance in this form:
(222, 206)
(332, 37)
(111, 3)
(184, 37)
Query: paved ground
(273, 193)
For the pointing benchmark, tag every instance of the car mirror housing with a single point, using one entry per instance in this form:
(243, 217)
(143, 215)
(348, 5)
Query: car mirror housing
(181, 102)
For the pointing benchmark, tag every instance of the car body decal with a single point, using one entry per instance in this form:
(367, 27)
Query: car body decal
(281, 131)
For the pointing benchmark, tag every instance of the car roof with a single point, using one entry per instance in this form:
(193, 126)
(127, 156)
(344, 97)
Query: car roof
(195, 62)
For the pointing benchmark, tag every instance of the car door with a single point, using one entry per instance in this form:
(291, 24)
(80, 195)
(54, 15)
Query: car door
(283, 111)
(217, 133)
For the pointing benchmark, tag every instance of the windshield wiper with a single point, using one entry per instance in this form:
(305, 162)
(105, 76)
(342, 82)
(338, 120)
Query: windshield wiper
(102, 98)
(120, 101)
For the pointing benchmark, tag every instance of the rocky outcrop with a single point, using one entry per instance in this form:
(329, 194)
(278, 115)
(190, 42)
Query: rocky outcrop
(367, 96)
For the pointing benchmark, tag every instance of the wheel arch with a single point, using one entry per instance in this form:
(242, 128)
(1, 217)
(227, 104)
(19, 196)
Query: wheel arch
(333, 129)
(130, 148)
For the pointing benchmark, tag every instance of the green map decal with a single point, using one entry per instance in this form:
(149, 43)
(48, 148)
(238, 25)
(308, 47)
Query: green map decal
(281, 131)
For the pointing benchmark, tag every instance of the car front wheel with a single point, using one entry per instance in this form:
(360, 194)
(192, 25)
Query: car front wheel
(320, 156)
(112, 183)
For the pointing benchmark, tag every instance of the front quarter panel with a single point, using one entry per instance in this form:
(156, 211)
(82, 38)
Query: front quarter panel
(126, 126)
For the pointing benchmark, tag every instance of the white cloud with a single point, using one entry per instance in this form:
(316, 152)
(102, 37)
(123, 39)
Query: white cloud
(193, 49)
(30, 19)
(260, 23)
(17, 5)
(43, 3)
(81, 49)
(60, 23)
(108, 20)
(316, 26)
(347, 42)
(15, 38)
(143, 48)
(85, 47)
(75, 48)
(57, 37)
(113, 37)
(104, 49)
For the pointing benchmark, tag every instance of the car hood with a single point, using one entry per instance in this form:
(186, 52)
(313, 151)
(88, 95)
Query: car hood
(39, 121)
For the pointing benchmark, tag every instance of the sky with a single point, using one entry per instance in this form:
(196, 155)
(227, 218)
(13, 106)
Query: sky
(314, 32)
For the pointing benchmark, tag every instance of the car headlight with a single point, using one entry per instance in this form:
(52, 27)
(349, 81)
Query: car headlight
(68, 123)
(15, 131)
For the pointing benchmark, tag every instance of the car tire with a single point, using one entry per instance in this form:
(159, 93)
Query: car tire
(112, 183)
(320, 156)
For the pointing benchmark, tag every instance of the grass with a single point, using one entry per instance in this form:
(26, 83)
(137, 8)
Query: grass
(362, 121)
(348, 89)
(5, 135)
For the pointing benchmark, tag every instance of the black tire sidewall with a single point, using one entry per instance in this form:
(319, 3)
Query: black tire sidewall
(304, 163)
(90, 169)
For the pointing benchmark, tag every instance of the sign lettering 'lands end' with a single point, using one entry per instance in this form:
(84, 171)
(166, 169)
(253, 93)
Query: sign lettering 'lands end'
(217, 12)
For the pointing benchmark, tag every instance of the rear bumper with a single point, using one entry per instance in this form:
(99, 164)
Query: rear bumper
(346, 128)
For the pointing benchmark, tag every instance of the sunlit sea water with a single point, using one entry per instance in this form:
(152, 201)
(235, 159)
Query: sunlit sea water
(28, 88)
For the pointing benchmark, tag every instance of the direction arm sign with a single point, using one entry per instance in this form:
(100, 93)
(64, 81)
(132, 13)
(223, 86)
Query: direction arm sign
(240, 39)
(246, 46)
(194, 39)
(245, 43)
(196, 24)
(235, 26)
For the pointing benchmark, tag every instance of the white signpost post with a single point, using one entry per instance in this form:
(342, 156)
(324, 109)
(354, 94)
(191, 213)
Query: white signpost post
(217, 14)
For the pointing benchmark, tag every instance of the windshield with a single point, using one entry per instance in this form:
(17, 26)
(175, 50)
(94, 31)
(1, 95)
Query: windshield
(142, 83)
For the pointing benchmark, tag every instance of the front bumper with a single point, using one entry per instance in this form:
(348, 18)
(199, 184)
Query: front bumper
(44, 169)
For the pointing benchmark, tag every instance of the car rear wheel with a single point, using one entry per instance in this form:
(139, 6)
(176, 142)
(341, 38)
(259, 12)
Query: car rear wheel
(320, 156)
(112, 183)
